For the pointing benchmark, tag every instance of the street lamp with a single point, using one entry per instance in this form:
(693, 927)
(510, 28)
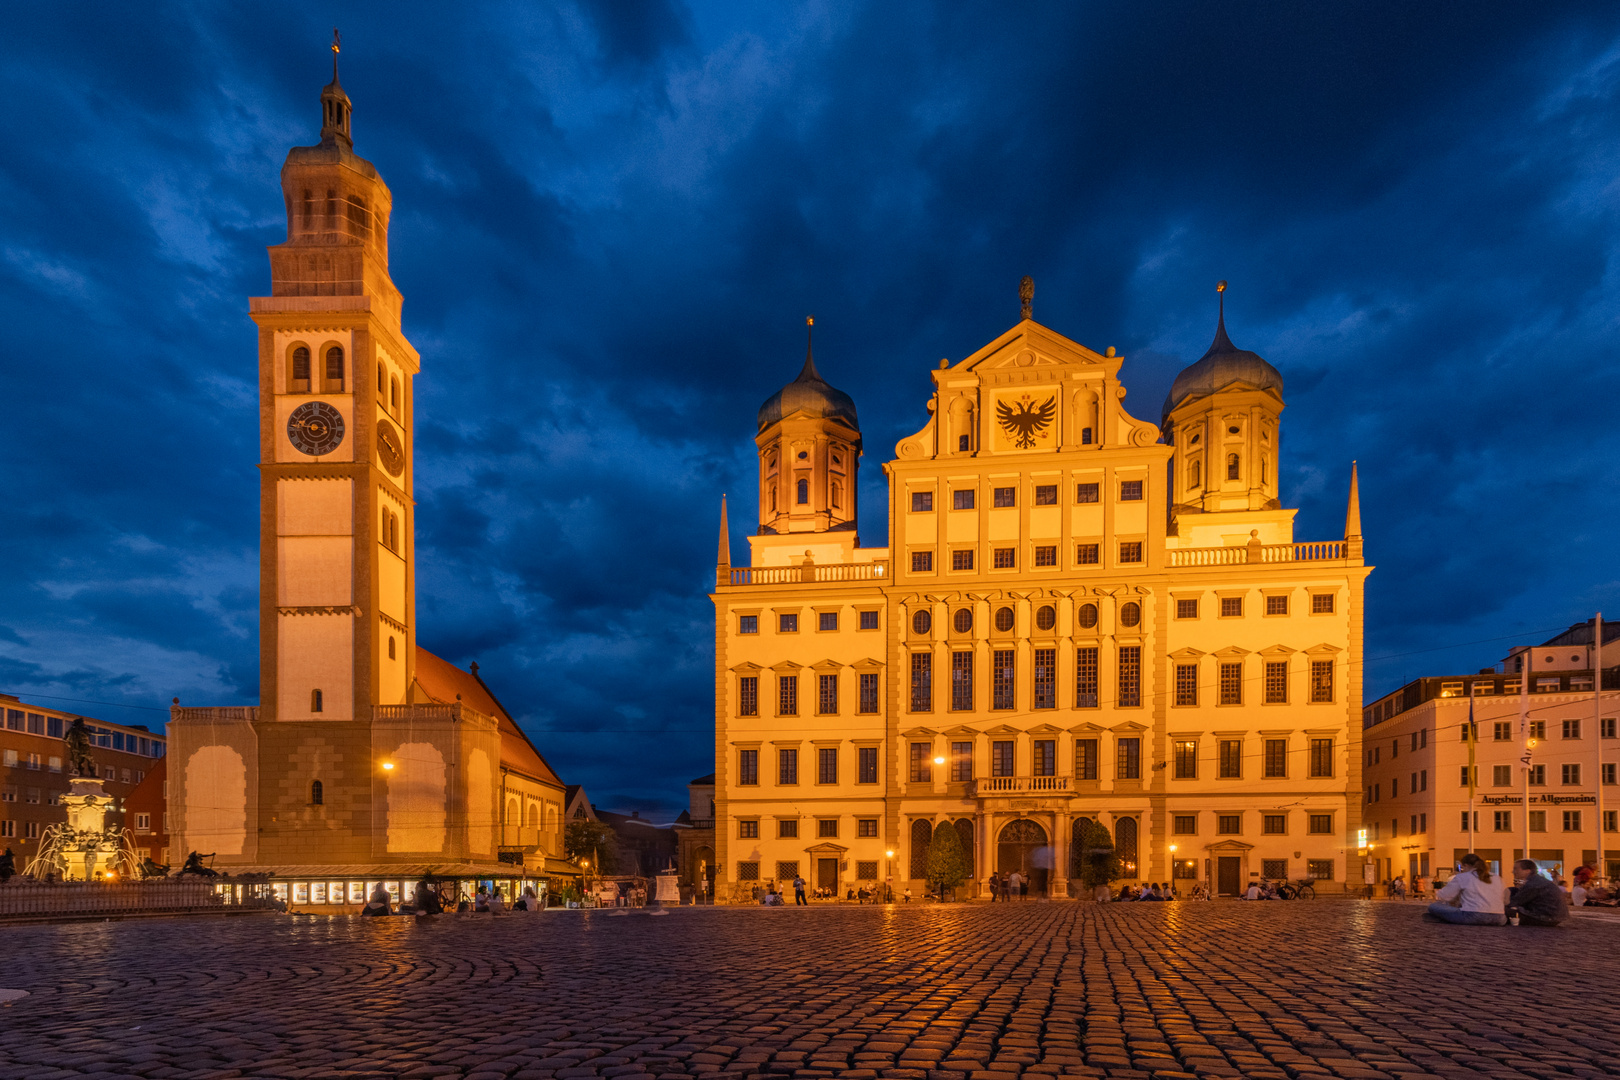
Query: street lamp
(888, 887)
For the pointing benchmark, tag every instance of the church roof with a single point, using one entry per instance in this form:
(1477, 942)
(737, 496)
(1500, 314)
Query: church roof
(444, 682)
(1223, 365)
(808, 393)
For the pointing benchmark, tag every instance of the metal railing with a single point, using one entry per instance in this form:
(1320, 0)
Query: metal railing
(813, 572)
(1309, 551)
(1019, 785)
(74, 898)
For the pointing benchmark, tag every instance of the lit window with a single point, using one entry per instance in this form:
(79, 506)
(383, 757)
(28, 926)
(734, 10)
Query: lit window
(1232, 467)
(1322, 681)
(1186, 753)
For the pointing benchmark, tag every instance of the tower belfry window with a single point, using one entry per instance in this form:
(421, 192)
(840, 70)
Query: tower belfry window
(1232, 467)
(1192, 474)
(317, 793)
(300, 368)
(804, 492)
(334, 370)
(394, 392)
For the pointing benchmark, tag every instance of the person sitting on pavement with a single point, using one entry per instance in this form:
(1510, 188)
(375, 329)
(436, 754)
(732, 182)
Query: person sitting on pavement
(379, 903)
(427, 900)
(497, 906)
(1472, 897)
(1253, 892)
(1535, 900)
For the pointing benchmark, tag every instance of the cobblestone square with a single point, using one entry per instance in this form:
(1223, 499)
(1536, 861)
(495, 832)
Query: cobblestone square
(1308, 989)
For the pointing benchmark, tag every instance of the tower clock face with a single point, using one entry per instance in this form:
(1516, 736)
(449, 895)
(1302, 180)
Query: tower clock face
(390, 447)
(315, 428)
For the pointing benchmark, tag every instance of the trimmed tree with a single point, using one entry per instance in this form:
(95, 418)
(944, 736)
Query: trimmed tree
(586, 839)
(1095, 861)
(947, 863)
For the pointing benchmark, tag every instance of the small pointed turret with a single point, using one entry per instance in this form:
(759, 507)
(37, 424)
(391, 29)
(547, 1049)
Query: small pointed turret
(335, 105)
(1352, 514)
(724, 562)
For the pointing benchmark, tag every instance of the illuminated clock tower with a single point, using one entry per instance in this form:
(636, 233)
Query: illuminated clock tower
(337, 598)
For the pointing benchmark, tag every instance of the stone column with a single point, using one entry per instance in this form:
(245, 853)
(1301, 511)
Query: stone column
(1060, 854)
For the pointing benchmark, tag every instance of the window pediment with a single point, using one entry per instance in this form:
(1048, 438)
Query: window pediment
(1231, 652)
(1129, 727)
(747, 668)
(787, 667)
(826, 666)
(868, 664)
(1045, 729)
(1323, 649)
(918, 733)
(1088, 728)
(1188, 653)
(1004, 729)
(1277, 652)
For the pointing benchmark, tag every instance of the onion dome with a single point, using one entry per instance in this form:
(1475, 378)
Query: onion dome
(1223, 365)
(811, 395)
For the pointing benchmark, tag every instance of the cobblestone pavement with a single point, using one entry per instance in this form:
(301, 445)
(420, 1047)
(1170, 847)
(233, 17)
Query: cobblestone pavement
(1305, 989)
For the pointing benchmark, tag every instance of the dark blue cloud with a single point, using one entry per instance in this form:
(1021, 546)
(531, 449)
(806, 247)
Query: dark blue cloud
(610, 219)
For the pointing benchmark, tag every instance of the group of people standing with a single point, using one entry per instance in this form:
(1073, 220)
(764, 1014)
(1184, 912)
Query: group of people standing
(1008, 887)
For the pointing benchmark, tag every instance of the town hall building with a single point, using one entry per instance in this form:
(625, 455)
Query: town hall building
(1080, 615)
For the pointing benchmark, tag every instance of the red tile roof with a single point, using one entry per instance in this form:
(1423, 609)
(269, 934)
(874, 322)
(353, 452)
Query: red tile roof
(443, 682)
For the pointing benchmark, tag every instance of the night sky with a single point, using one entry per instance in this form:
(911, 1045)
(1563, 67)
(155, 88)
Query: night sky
(611, 219)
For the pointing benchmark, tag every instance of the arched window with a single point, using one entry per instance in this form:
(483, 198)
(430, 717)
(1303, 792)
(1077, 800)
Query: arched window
(334, 370)
(1192, 474)
(804, 492)
(390, 646)
(317, 794)
(393, 393)
(1263, 472)
(300, 368)
(1232, 466)
(837, 490)
(1125, 844)
(314, 701)
(773, 498)
(382, 379)
(922, 834)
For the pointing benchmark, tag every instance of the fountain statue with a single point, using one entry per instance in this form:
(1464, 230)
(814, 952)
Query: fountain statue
(85, 845)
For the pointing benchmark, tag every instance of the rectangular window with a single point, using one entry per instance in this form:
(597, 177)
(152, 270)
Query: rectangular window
(827, 765)
(1186, 684)
(748, 624)
(922, 682)
(1130, 551)
(922, 562)
(1128, 759)
(1274, 824)
(787, 695)
(1186, 751)
(1130, 491)
(1186, 609)
(961, 762)
(962, 559)
(1045, 757)
(1321, 758)
(1004, 496)
(1319, 869)
(1231, 759)
(1322, 681)
(867, 827)
(1001, 758)
(922, 766)
(866, 765)
(1320, 824)
(788, 870)
(1274, 868)
(922, 501)
(869, 693)
(1046, 555)
(1572, 821)
(1572, 729)
(1185, 825)
(748, 766)
(962, 499)
(1322, 603)
(1538, 821)
(787, 624)
(827, 694)
(869, 620)
(1502, 820)
(1045, 494)
(1538, 729)
(748, 830)
(1277, 605)
(1501, 775)
(1045, 686)
(1229, 824)
(1538, 775)
(1001, 679)
(1085, 677)
(1232, 683)
(748, 871)
(1606, 727)
(1087, 554)
(787, 830)
(787, 765)
(1085, 759)
(1276, 758)
(1572, 774)
(143, 822)
(1231, 607)
(1087, 493)
(1130, 676)
(1608, 772)
(1276, 682)
(961, 681)
(1502, 731)
(866, 869)
(827, 827)
(827, 620)
(1611, 821)
(1005, 558)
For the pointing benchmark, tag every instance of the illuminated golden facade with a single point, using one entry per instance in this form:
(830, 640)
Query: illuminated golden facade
(1080, 615)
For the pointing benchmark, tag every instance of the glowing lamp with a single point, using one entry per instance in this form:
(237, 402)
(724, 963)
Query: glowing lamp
(387, 765)
(939, 761)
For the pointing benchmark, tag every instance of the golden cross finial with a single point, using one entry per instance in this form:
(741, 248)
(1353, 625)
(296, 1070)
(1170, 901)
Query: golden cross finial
(337, 47)
(809, 320)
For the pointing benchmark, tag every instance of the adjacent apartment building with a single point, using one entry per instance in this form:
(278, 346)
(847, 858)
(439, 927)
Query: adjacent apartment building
(1080, 614)
(1542, 777)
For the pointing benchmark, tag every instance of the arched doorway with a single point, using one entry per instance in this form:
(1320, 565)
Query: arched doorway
(1022, 846)
(1125, 845)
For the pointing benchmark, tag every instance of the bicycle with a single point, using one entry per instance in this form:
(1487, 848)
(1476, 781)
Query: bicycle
(1301, 891)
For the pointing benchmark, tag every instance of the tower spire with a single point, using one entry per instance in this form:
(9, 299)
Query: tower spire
(724, 561)
(809, 370)
(1352, 514)
(335, 105)
(337, 47)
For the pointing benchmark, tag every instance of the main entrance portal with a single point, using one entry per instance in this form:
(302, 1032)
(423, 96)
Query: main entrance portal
(1022, 846)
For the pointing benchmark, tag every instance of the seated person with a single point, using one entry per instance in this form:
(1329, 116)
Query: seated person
(1254, 892)
(379, 904)
(1536, 900)
(1472, 896)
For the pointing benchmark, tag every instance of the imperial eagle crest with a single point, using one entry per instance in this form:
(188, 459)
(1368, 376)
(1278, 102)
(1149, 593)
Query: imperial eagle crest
(1026, 421)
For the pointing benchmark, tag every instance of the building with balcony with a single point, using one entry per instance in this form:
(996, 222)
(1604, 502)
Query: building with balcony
(33, 773)
(368, 759)
(1080, 614)
(1539, 776)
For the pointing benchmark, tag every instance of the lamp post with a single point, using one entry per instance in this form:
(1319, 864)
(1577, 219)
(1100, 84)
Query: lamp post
(888, 890)
(1172, 869)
